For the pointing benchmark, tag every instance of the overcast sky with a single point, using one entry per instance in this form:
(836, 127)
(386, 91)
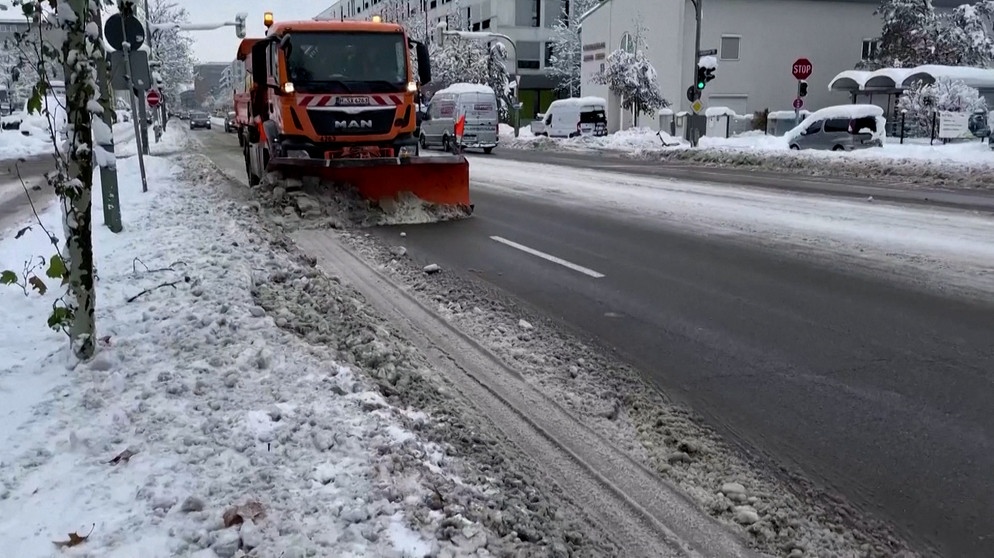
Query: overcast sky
(220, 45)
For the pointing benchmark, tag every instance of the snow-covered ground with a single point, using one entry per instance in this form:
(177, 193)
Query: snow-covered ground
(14, 144)
(959, 165)
(946, 249)
(205, 426)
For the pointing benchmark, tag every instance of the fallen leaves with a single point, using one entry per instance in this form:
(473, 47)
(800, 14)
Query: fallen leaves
(123, 457)
(238, 514)
(74, 539)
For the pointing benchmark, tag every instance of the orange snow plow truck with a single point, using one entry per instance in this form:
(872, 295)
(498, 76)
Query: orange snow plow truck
(335, 100)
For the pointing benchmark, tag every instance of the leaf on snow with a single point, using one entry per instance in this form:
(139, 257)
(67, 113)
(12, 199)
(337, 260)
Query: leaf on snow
(123, 457)
(21, 232)
(74, 539)
(56, 267)
(8, 277)
(238, 514)
(38, 284)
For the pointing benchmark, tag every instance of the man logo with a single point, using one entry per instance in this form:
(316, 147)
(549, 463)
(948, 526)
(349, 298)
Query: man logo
(353, 124)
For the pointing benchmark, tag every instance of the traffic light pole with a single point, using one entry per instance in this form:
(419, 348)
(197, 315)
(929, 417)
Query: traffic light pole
(698, 10)
(797, 109)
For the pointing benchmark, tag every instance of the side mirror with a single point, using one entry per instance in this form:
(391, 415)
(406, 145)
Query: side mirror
(424, 63)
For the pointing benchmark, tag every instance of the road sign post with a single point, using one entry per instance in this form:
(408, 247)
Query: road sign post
(801, 70)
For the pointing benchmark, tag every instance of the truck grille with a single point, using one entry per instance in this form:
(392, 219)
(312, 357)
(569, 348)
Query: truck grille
(337, 123)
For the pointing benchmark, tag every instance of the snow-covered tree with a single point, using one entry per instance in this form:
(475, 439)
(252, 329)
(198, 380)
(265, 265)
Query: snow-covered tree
(945, 95)
(909, 36)
(499, 80)
(965, 38)
(567, 52)
(631, 76)
(72, 40)
(172, 48)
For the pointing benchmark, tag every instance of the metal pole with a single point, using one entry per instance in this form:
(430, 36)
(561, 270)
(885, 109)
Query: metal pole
(134, 111)
(151, 48)
(698, 11)
(108, 172)
(797, 110)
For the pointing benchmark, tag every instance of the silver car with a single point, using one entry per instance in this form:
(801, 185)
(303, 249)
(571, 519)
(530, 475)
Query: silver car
(477, 103)
(839, 133)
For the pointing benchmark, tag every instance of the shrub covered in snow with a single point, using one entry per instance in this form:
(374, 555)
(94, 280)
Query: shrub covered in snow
(945, 95)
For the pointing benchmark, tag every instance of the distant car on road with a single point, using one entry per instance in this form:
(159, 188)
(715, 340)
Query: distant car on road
(200, 120)
(229, 123)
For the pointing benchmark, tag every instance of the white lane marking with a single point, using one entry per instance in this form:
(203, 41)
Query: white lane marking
(550, 257)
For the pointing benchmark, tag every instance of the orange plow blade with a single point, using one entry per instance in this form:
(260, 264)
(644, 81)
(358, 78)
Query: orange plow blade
(441, 181)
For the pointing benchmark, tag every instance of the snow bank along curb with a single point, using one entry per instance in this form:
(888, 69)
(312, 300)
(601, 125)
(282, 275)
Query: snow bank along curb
(840, 165)
(782, 515)
(479, 494)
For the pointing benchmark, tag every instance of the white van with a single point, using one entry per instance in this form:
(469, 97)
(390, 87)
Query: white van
(477, 102)
(569, 118)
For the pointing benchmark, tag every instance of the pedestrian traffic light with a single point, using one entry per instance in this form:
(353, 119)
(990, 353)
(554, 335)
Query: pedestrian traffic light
(708, 75)
(240, 24)
(802, 88)
(702, 77)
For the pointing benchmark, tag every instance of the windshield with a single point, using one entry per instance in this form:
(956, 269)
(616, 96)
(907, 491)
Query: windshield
(354, 62)
(199, 115)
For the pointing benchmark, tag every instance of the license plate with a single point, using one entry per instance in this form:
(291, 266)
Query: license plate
(351, 101)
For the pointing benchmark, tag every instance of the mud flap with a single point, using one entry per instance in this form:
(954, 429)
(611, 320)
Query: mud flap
(441, 181)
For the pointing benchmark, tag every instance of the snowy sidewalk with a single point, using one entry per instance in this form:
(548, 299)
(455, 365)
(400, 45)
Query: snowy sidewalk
(200, 412)
(961, 165)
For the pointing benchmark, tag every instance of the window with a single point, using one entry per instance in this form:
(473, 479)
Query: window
(627, 43)
(536, 13)
(485, 24)
(814, 128)
(355, 62)
(730, 47)
(550, 49)
(476, 26)
(837, 125)
(529, 54)
(870, 48)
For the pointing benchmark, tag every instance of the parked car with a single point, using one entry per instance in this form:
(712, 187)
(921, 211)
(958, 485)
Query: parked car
(840, 128)
(478, 103)
(229, 123)
(569, 118)
(200, 120)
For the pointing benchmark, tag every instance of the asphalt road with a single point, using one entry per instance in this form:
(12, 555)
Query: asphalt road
(15, 206)
(879, 392)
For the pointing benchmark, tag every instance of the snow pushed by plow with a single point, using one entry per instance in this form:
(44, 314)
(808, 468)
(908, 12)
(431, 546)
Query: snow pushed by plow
(339, 205)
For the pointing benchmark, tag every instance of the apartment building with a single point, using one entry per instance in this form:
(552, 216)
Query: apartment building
(528, 23)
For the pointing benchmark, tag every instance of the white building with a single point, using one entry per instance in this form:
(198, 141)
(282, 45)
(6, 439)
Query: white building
(527, 22)
(757, 43)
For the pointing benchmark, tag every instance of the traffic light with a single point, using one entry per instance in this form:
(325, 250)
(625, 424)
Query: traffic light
(240, 24)
(702, 77)
(802, 88)
(708, 75)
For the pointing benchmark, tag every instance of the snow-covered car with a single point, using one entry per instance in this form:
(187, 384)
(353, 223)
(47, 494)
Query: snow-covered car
(840, 128)
(568, 118)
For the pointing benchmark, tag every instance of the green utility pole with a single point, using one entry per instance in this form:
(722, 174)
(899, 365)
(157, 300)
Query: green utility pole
(108, 172)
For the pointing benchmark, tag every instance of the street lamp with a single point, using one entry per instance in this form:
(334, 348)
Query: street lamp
(488, 36)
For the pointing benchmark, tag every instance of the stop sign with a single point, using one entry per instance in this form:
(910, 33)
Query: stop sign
(801, 68)
(153, 98)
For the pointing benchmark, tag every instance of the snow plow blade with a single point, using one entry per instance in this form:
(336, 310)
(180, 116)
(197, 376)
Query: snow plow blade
(440, 181)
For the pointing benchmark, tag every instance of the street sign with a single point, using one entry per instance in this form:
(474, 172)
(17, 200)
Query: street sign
(697, 107)
(798, 103)
(153, 98)
(801, 68)
(693, 93)
(132, 29)
(140, 75)
(708, 52)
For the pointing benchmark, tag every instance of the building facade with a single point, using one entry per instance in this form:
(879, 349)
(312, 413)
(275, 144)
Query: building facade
(207, 80)
(757, 42)
(529, 23)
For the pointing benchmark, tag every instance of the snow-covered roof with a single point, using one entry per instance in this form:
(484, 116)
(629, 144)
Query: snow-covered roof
(901, 78)
(719, 111)
(579, 102)
(842, 111)
(467, 88)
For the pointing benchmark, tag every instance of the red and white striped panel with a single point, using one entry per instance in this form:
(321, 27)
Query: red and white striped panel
(375, 100)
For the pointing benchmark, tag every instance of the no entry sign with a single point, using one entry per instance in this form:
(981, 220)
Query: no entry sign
(153, 98)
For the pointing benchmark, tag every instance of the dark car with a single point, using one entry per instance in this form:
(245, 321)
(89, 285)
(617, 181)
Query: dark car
(229, 122)
(200, 120)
